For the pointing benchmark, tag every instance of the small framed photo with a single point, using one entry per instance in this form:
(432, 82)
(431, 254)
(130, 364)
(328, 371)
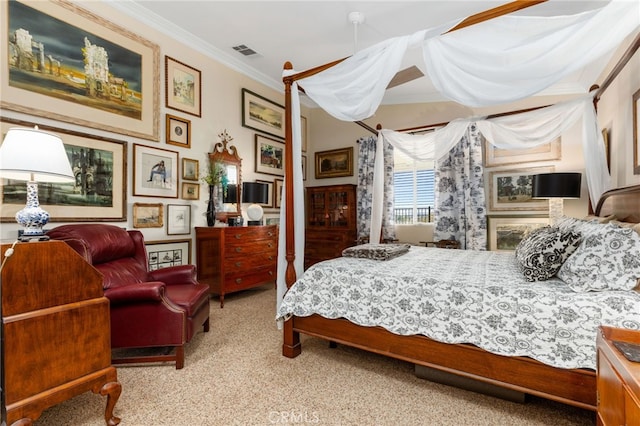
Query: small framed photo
(178, 131)
(269, 203)
(148, 215)
(163, 254)
(261, 114)
(190, 169)
(269, 156)
(155, 172)
(511, 190)
(272, 219)
(278, 185)
(506, 232)
(183, 87)
(304, 167)
(499, 157)
(334, 163)
(178, 219)
(303, 130)
(190, 191)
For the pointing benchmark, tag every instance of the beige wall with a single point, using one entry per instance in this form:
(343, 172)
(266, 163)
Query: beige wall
(221, 109)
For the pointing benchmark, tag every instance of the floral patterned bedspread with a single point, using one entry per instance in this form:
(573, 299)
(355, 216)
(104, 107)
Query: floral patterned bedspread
(464, 296)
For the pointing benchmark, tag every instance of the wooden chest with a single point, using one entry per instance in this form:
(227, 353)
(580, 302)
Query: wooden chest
(232, 258)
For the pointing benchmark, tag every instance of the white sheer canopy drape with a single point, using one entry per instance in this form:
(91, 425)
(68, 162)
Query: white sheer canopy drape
(534, 53)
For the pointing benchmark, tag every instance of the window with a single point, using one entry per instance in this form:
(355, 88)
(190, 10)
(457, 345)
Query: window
(413, 190)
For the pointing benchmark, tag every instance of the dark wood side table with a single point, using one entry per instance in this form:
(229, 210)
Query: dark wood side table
(618, 379)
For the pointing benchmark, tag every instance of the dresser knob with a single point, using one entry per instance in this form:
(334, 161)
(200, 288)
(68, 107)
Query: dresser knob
(238, 280)
(270, 234)
(238, 249)
(238, 264)
(270, 257)
(270, 272)
(270, 245)
(238, 236)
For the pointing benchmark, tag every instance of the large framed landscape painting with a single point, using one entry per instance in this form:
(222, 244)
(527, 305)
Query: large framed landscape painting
(99, 192)
(65, 63)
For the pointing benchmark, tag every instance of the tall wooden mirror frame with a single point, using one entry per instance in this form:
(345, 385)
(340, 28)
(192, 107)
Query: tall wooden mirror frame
(228, 155)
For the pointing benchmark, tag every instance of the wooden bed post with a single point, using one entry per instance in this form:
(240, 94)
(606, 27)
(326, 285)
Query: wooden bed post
(291, 339)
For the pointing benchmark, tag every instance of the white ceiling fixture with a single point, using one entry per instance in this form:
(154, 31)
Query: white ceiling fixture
(356, 18)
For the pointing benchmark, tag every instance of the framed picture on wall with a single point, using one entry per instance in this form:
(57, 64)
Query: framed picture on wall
(99, 192)
(190, 169)
(261, 114)
(155, 172)
(148, 215)
(506, 232)
(190, 191)
(269, 156)
(334, 163)
(163, 254)
(70, 37)
(178, 219)
(178, 131)
(269, 202)
(278, 189)
(511, 189)
(499, 157)
(183, 87)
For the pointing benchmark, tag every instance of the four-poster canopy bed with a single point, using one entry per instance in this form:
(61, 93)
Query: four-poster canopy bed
(574, 386)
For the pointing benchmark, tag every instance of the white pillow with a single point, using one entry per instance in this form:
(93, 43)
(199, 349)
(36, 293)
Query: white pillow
(607, 259)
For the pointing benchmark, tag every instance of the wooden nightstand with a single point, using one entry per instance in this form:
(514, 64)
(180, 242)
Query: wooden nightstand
(618, 379)
(236, 258)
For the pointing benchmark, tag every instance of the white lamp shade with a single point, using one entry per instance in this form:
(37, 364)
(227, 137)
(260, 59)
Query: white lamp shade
(33, 155)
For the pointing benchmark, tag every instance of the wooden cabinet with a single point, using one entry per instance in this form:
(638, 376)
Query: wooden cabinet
(618, 379)
(331, 222)
(235, 258)
(56, 331)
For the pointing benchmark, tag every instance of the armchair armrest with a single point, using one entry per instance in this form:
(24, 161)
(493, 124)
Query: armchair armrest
(181, 274)
(149, 291)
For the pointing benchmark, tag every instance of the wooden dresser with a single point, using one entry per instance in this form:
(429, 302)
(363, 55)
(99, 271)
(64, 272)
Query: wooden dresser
(236, 258)
(331, 222)
(57, 339)
(618, 379)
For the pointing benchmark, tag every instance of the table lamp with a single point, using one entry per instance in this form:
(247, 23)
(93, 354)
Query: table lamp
(556, 187)
(254, 192)
(35, 156)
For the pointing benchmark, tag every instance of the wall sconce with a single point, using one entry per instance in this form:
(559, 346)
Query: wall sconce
(556, 187)
(34, 156)
(254, 192)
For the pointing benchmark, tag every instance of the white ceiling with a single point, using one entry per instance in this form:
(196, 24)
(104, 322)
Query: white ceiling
(311, 33)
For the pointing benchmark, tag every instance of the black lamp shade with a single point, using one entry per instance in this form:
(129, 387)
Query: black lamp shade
(556, 185)
(231, 194)
(254, 192)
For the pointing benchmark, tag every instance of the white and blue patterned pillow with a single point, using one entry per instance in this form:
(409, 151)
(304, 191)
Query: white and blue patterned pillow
(541, 253)
(607, 259)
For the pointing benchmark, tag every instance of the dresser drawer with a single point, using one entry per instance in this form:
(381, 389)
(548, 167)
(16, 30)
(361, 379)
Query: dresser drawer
(245, 279)
(249, 233)
(247, 248)
(252, 261)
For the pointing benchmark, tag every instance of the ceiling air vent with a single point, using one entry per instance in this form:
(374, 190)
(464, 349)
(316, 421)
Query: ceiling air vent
(246, 51)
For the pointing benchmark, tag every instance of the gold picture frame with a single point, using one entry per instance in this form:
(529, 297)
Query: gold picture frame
(190, 191)
(261, 114)
(178, 131)
(493, 156)
(190, 169)
(148, 215)
(506, 232)
(183, 87)
(99, 193)
(510, 190)
(334, 163)
(128, 107)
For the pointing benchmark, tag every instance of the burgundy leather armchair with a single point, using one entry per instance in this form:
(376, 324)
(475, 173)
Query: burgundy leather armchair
(161, 308)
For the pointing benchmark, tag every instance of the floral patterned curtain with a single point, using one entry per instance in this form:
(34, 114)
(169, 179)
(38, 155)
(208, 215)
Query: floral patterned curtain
(364, 193)
(460, 211)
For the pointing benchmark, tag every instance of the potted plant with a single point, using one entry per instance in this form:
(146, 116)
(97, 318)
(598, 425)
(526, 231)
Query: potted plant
(215, 176)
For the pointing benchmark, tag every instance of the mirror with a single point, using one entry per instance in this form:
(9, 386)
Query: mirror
(228, 156)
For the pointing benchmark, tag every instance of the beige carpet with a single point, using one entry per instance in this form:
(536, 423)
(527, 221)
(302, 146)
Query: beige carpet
(236, 375)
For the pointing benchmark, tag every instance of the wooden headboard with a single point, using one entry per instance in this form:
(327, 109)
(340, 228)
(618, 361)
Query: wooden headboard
(624, 203)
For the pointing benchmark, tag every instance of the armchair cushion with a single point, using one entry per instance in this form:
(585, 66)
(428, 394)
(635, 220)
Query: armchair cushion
(135, 293)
